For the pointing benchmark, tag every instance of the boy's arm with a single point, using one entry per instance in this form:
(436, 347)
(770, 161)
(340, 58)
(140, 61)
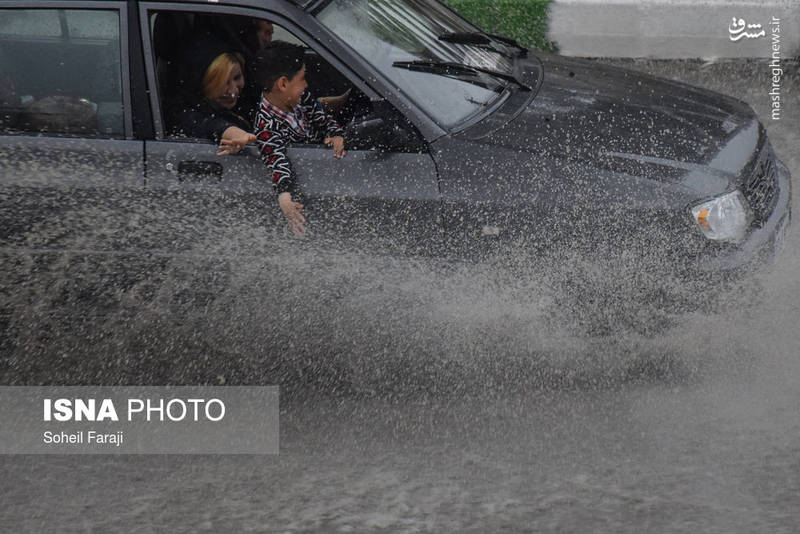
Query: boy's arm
(323, 123)
(272, 148)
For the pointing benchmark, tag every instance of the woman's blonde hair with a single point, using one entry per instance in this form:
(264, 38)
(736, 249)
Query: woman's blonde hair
(215, 80)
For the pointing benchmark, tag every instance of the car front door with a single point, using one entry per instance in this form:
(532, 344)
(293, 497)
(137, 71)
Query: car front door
(382, 191)
(378, 197)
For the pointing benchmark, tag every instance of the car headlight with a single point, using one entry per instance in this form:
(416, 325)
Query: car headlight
(725, 218)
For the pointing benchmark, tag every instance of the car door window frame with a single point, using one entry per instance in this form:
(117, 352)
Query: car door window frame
(121, 8)
(146, 9)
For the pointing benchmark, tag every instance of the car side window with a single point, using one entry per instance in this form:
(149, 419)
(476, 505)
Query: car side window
(61, 72)
(179, 38)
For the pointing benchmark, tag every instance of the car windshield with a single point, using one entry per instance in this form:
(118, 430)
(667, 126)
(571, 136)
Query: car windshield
(422, 47)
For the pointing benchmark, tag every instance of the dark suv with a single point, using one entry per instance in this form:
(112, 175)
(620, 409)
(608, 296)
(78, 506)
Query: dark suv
(458, 141)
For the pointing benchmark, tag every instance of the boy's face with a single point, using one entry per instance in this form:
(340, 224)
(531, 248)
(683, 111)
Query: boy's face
(294, 88)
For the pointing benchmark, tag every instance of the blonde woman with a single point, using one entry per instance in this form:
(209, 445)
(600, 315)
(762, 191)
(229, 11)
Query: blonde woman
(207, 106)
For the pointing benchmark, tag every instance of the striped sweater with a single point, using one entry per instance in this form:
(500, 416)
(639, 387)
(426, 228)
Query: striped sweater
(275, 129)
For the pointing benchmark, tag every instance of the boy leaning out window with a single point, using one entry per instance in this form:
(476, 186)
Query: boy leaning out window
(288, 113)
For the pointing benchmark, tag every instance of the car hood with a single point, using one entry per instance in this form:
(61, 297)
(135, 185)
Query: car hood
(620, 120)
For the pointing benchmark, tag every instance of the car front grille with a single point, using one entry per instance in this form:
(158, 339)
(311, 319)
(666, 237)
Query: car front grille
(761, 187)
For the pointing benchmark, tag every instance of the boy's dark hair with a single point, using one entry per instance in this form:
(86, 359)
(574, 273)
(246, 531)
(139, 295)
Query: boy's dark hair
(274, 60)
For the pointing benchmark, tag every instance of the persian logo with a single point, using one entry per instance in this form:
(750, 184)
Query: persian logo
(738, 27)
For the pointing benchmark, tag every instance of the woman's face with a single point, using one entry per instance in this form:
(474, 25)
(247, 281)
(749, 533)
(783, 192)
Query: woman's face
(233, 88)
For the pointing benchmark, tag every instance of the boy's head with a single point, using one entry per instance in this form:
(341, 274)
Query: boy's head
(279, 69)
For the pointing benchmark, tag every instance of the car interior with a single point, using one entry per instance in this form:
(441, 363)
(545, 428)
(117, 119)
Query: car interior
(172, 30)
(65, 94)
(69, 95)
(364, 122)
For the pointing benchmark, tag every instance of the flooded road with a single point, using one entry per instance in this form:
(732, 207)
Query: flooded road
(437, 398)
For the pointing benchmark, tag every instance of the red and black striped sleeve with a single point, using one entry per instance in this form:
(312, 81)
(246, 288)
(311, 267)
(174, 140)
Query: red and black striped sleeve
(272, 146)
(324, 124)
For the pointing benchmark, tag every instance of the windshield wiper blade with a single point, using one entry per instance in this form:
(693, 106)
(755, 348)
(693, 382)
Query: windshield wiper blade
(482, 39)
(449, 67)
(508, 41)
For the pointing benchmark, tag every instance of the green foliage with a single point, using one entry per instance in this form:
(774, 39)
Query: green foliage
(522, 20)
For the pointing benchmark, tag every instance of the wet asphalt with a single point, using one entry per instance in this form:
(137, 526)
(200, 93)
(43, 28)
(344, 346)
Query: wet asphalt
(438, 398)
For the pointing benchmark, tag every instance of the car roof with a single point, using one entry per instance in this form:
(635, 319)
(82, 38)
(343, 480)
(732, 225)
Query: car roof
(303, 4)
(300, 3)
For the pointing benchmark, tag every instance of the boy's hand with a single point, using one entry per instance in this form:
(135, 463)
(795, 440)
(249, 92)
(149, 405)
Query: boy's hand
(291, 210)
(338, 145)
